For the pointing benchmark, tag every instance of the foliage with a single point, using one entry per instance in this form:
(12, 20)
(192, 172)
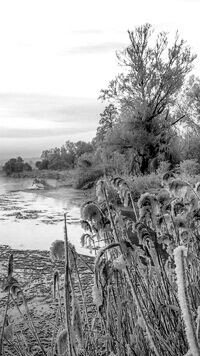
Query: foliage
(145, 280)
(145, 92)
(65, 157)
(141, 184)
(191, 146)
(187, 105)
(16, 165)
(108, 119)
(163, 167)
(190, 167)
(151, 315)
(86, 177)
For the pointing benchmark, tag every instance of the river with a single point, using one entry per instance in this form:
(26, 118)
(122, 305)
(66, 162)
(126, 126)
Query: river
(33, 219)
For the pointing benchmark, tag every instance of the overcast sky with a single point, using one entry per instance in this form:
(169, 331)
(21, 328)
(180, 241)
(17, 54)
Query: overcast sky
(56, 56)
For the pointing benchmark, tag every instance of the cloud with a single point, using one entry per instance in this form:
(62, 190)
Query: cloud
(39, 133)
(91, 31)
(49, 108)
(93, 48)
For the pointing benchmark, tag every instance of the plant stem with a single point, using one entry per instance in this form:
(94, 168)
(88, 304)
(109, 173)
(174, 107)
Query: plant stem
(67, 290)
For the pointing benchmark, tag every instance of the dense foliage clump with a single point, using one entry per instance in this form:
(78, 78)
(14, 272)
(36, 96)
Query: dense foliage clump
(16, 165)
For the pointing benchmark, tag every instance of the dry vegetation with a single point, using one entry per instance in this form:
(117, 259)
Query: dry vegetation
(146, 280)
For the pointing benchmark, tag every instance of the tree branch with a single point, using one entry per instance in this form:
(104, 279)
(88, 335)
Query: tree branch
(175, 122)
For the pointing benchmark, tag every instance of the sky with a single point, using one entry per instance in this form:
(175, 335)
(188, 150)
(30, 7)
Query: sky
(56, 56)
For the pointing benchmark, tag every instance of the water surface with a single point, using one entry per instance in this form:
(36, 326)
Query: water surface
(34, 219)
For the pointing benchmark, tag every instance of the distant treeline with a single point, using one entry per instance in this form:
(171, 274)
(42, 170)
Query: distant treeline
(66, 157)
(16, 165)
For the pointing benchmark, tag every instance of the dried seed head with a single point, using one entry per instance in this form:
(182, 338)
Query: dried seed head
(76, 321)
(62, 343)
(168, 176)
(97, 295)
(163, 197)
(100, 190)
(150, 201)
(12, 284)
(85, 225)
(119, 263)
(179, 188)
(57, 250)
(8, 332)
(55, 283)
(91, 212)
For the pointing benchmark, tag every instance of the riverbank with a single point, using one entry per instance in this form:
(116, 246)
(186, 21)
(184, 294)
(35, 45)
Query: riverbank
(34, 272)
(64, 177)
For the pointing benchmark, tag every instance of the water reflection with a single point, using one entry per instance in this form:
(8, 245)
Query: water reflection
(34, 219)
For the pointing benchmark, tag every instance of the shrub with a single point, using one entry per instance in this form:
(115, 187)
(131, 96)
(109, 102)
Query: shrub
(189, 167)
(141, 184)
(164, 167)
(16, 165)
(83, 177)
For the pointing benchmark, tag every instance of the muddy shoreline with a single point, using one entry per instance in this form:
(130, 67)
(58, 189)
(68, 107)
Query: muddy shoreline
(34, 272)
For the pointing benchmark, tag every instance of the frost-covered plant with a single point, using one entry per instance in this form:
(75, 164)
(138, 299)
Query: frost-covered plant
(180, 253)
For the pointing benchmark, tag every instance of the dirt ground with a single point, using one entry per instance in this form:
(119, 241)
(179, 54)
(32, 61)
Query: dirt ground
(34, 272)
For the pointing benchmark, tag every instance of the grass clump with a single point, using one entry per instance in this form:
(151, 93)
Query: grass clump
(86, 178)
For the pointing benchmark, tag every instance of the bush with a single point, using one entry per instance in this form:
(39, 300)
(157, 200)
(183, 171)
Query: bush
(164, 167)
(190, 167)
(141, 184)
(83, 177)
(16, 165)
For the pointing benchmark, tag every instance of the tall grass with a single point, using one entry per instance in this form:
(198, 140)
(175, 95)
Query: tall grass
(146, 289)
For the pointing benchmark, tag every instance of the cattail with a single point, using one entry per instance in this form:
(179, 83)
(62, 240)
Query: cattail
(62, 343)
(10, 266)
(76, 321)
(55, 283)
(179, 254)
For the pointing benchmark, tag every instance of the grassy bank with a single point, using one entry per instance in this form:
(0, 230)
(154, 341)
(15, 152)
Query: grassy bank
(65, 176)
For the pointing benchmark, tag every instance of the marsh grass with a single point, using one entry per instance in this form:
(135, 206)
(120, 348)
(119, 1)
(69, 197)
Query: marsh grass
(146, 291)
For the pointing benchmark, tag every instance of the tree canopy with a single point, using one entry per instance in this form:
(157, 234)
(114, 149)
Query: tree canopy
(16, 165)
(144, 93)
